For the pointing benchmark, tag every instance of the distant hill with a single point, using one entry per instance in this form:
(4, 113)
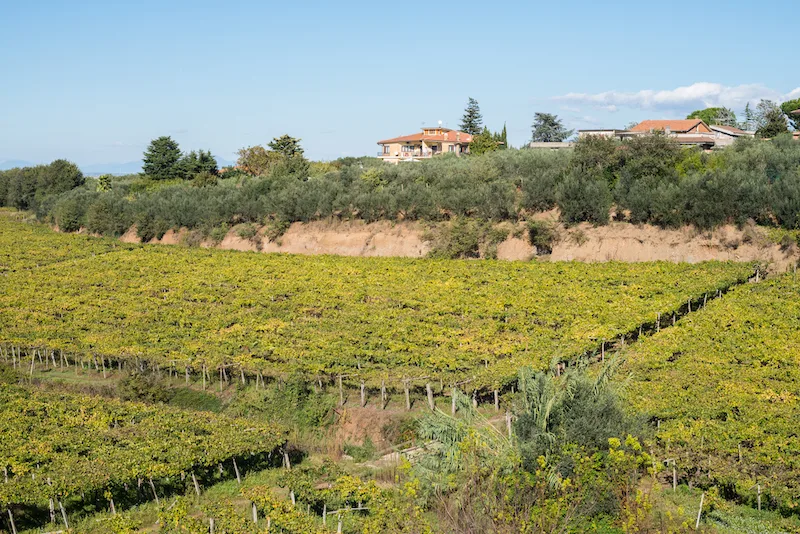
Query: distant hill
(14, 163)
(131, 167)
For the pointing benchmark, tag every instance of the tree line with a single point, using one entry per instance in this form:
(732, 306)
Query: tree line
(648, 179)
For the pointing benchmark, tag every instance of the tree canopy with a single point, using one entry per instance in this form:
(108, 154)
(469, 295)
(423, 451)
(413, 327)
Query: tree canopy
(770, 119)
(484, 142)
(788, 107)
(161, 159)
(472, 121)
(548, 128)
(717, 115)
(286, 145)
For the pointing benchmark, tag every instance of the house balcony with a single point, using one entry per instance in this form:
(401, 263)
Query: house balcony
(409, 154)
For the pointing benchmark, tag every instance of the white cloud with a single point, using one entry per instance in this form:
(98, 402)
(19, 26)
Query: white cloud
(571, 109)
(701, 94)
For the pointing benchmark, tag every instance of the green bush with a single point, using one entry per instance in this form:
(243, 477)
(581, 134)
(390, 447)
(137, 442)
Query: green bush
(144, 387)
(581, 197)
(542, 235)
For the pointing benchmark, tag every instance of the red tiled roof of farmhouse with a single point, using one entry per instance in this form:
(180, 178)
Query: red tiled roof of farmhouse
(446, 135)
(675, 126)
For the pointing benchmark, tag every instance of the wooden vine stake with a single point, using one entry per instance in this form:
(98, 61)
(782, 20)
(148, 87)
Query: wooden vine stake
(196, 485)
(341, 392)
(11, 521)
(453, 402)
(63, 514)
(408, 396)
(363, 395)
(508, 423)
(383, 395)
(700, 511)
(496, 401)
(255, 513)
(429, 390)
(236, 470)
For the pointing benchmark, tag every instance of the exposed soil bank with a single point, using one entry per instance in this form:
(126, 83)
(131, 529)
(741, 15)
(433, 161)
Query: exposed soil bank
(616, 241)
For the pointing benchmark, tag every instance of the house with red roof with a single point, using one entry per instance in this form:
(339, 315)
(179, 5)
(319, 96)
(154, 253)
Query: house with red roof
(687, 132)
(428, 143)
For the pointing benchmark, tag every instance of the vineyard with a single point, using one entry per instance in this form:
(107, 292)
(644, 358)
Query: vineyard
(24, 246)
(725, 385)
(375, 321)
(59, 446)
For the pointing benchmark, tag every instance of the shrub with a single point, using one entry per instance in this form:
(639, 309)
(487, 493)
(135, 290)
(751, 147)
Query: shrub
(70, 211)
(145, 387)
(460, 238)
(107, 215)
(581, 197)
(542, 235)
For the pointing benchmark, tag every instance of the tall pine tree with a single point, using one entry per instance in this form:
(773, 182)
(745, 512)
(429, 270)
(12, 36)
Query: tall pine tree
(472, 121)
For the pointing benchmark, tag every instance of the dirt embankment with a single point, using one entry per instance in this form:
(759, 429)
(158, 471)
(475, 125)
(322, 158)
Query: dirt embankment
(614, 242)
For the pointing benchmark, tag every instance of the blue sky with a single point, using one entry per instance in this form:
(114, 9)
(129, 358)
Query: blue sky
(95, 81)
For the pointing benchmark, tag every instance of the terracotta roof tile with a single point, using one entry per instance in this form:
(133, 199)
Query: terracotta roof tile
(730, 129)
(676, 126)
(447, 135)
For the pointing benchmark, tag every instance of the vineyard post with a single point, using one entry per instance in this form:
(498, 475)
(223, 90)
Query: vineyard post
(113, 508)
(52, 510)
(383, 395)
(759, 497)
(453, 401)
(705, 299)
(186, 372)
(740, 452)
(700, 511)
(690, 305)
(408, 396)
(153, 487)
(211, 525)
(39, 352)
(324, 514)
(53, 357)
(255, 513)
(341, 392)
(603, 351)
(196, 485)
(33, 362)
(244, 381)
(429, 390)
(508, 423)
(286, 463)
(674, 473)
(63, 513)
(496, 401)
(11, 520)
(658, 323)
(474, 399)
(363, 395)
(103, 361)
(204, 376)
(292, 497)
(236, 470)
(220, 378)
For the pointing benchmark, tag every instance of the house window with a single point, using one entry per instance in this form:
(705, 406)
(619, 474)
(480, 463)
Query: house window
(385, 149)
(407, 148)
(451, 148)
